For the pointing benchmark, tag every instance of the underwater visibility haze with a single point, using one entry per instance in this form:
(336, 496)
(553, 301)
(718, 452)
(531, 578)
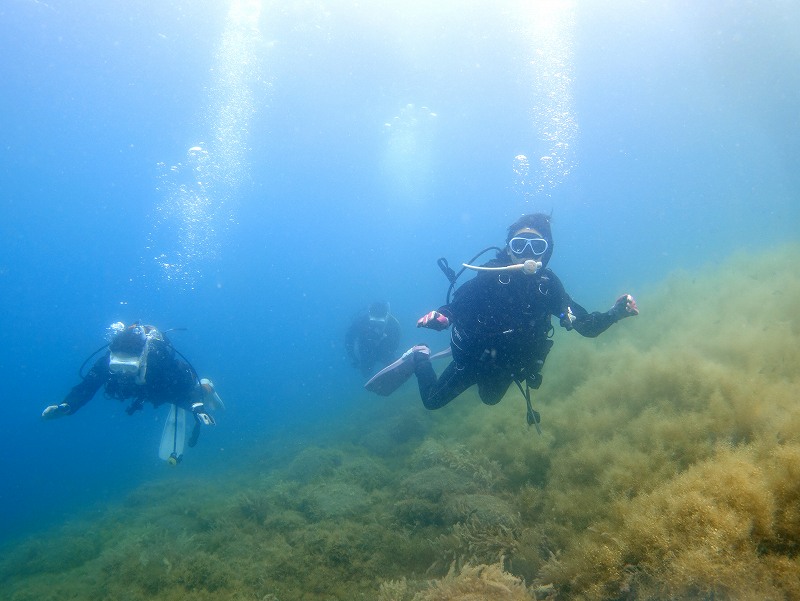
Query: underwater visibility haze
(251, 174)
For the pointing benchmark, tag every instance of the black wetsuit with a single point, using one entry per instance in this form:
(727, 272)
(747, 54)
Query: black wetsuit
(370, 342)
(501, 333)
(167, 380)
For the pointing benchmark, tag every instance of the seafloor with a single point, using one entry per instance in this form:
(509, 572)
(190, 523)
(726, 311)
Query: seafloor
(668, 468)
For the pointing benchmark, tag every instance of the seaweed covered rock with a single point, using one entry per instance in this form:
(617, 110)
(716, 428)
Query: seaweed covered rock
(384, 438)
(443, 480)
(473, 583)
(487, 508)
(470, 583)
(481, 471)
(336, 499)
(313, 463)
(368, 472)
(433, 483)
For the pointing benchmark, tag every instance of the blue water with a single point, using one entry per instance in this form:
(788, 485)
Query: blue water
(680, 121)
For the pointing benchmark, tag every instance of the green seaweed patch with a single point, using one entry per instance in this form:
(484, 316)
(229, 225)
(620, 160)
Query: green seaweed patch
(313, 463)
(335, 499)
(668, 467)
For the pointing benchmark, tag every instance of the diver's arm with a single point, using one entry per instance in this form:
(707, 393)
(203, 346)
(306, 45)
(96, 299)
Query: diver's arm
(572, 315)
(447, 311)
(588, 324)
(83, 392)
(595, 323)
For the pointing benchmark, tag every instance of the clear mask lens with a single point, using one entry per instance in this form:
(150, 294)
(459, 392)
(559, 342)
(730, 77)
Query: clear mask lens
(124, 363)
(519, 244)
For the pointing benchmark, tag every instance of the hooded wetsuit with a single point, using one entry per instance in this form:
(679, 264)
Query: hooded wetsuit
(501, 333)
(167, 380)
(370, 341)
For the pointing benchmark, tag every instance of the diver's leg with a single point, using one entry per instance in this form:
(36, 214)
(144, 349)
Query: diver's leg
(194, 405)
(493, 385)
(437, 392)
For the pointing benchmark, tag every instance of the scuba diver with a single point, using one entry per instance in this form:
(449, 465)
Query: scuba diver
(140, 364)
(501, 324)
(373, 337)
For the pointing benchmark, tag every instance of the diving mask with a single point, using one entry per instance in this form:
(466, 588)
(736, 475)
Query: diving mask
(128, 351)
(125, 363)
(519, 244)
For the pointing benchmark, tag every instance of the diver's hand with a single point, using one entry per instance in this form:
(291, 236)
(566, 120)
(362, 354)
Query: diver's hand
(433, 320)
(54, 411)
(205, 419)
(201, 416)
(625, 306)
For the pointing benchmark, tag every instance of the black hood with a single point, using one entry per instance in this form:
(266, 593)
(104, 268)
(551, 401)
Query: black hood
(535, 221)
(130, 341)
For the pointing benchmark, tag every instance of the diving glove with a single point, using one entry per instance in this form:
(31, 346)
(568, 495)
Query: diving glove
(433, 320)
(54, 411)
(625, 306)
(201, 416)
